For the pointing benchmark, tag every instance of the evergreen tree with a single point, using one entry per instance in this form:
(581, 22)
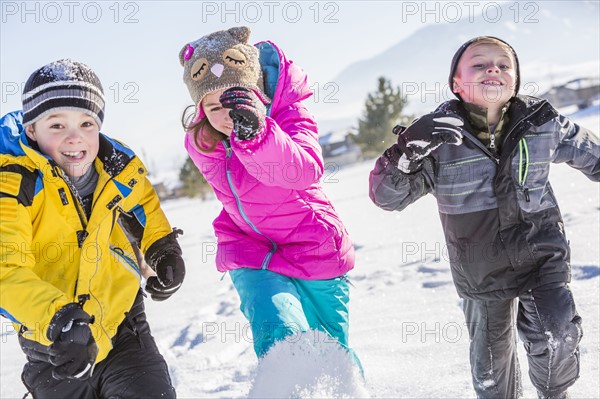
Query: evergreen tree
(193, 183)
(383, 111)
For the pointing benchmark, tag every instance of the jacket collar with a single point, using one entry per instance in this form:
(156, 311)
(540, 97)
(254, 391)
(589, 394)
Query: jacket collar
(478, 117)
(538, 111)
(114, 156)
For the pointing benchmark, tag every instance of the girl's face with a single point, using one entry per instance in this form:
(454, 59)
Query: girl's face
(486, 75)
(70, 138)
(216, 114)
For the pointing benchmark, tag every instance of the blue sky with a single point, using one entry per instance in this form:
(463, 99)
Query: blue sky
(133, 46)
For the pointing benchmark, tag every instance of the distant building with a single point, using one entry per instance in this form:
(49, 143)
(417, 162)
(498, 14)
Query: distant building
(166, 184)
(339, 148)
(581, 92)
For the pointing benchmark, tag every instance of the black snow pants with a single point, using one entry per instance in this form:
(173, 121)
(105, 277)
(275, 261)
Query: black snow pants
(134, 368)
(548, 325)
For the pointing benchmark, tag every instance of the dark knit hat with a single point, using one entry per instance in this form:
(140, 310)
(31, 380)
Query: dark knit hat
(220, 60)
(466, 45)
(62, 85)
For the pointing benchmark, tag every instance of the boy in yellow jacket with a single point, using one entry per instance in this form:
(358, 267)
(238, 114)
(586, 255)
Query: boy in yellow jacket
(75, 209)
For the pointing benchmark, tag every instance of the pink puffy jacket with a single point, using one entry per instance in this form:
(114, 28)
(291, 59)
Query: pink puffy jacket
(275, 214)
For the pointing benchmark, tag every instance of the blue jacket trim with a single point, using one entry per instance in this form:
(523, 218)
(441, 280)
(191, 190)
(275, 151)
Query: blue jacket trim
(140, 214)
(4, 313)
(119, 147)
(39, 185)
(125, 190)
(271, 68)
(126, 261)
(11, 129)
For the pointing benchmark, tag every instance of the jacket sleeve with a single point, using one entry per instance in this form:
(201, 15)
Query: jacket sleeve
(146, 222)
(286, 152)
(25, 299)
(578, 147)
(393, 190)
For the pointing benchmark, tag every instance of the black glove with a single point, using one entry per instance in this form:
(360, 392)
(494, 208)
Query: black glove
(34, 350)
(164, 257)
(170, 272)
(73, 351)
(425, 135)
(247, 111)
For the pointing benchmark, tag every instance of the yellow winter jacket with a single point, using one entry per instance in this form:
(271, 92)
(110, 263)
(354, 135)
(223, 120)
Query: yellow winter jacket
(52, 255)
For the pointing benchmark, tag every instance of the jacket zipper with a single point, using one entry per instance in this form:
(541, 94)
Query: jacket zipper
(267, 259)
(481, 146)
(521, 178)
(523, 167)
(78, 206)
(83, 219)
(492, 137)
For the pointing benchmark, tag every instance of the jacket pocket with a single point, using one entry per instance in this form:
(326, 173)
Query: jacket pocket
(516, 246)
(127, 261)
(481, 265)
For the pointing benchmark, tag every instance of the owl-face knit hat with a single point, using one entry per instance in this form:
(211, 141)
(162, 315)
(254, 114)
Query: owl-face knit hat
(62, 85)
(487, 39)
(220, 60)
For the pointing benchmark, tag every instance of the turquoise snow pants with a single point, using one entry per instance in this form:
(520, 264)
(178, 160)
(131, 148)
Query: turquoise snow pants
(278, 306)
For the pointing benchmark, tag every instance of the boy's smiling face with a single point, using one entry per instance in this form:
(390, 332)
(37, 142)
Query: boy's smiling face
(486, 75)
(70, 138)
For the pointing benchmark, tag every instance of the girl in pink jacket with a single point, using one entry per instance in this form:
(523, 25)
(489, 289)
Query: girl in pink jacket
(255, 142)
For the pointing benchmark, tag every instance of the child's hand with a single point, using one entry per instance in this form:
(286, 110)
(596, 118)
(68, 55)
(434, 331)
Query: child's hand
(73, 351)
(247, 111)
(428, 133)
(170, 272)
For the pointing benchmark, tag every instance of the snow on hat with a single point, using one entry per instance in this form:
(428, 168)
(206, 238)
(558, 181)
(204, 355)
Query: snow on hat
(220, 60)
(463, 48)
(62, 85)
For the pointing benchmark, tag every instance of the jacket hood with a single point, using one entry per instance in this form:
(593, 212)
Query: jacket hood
(11, 132)
(285, 82)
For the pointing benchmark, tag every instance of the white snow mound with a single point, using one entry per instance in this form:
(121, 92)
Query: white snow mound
(307, 365)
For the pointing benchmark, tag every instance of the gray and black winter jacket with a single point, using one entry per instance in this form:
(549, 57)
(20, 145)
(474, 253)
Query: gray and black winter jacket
(502, 224)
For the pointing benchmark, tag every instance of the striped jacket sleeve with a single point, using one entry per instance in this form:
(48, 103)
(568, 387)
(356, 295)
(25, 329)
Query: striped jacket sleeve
(393, 190)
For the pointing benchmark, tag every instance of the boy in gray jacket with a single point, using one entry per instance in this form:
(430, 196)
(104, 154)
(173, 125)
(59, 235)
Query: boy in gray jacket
(486, 158)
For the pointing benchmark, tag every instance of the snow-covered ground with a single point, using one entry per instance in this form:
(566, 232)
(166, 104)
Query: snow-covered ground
(406, 323)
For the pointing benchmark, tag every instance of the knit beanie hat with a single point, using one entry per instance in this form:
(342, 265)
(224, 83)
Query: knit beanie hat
(220, 60)
(463, 48)
(62, 85)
